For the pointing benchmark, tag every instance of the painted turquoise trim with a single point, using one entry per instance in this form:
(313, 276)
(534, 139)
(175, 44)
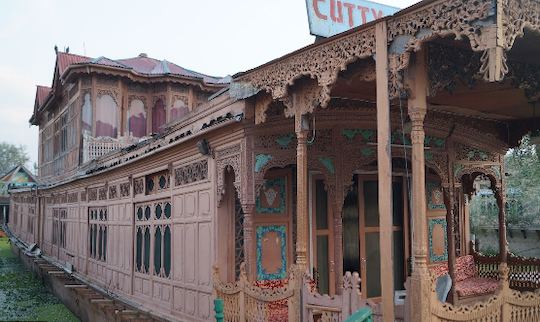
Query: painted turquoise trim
(432, 256)
(428, 155)
(367, 152)
(281, 184)
(430, 186)
(367, 135)
(261, 232)
(284, 140)
(328, 164)
(261, 160)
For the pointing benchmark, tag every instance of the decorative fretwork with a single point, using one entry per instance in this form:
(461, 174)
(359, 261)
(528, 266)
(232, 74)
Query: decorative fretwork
(83, 195)
(92, 194)
(125, 189)
(73, 197)
(323, 63)
(468, 153)
(448, 65)
(97, 232)
(238, 236)
(157, 182)
(193, 172)
(113, 192)
(153, 226)
(138, 186)
(518, 15)
(102, 193)
(228, 159)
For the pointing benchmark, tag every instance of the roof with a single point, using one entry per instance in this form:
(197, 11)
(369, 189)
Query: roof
(41, 94)
(10, 176)
(141, 64)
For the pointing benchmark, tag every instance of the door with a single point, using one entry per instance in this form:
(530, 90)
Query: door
(369, 236)
(322, 237)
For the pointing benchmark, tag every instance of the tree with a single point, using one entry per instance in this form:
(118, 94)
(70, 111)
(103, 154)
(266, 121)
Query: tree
(523, 184)
(11, 156)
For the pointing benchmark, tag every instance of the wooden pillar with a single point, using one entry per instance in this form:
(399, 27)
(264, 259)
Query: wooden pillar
(451, 246)
(384, 170)
(301, 129)
(417, 107)
(249, 246)
(501, 201)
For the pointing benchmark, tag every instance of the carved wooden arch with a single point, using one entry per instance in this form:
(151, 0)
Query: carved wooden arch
(473, 171)
(228, 159)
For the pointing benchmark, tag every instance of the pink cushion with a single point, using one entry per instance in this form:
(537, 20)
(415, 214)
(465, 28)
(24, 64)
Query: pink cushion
(440, 269)
(465, 268)
(476, 286)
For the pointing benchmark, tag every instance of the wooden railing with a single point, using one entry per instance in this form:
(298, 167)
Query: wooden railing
(94, 148)
(243, 301)
(524, 273)
(505, 305)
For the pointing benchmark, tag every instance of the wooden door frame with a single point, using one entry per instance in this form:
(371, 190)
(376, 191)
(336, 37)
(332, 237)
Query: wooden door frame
(362, 228)
(326, 232)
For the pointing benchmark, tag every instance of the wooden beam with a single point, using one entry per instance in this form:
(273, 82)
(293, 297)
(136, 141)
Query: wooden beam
(301, 129)
(384, 167)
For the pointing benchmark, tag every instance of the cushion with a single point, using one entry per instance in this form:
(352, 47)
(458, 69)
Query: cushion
(476, 286)
(465, 268)
(444, 283)
(277, 310)
(440, 269)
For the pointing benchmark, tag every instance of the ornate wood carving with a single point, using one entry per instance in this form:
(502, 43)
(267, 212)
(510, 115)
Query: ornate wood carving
(323, 63)
(138, 186)
(92, 194)
(228, 159)
(102, 193)
(112, 93)
(125, 189)
(261, 106)
(142, 98)
(113, 193)
(519, 15)
(192, 172)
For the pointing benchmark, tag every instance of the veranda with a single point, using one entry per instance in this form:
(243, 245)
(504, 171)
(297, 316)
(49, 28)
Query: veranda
(362, 157)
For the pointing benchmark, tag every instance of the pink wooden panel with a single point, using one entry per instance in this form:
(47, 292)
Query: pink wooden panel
(190, 204)
(178, 298)
(178, 206)
(189, 243)
(204, 203)
(190, 305)
(178, 257)
(204, 306)
(204, 254)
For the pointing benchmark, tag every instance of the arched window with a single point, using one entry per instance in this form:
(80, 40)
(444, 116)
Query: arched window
(106, 117)
(87, 114)
(158, 116)
(178, 110)
(137, 119)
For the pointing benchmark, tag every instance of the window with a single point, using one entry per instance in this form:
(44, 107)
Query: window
(86, 117)
(107, 116)
(158, 116)
(137, 119)
(97, 220)
(54, 230)
(153, 238)
(179, 109)
(62, 227)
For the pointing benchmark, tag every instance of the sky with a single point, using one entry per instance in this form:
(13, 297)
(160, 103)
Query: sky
(214, 37)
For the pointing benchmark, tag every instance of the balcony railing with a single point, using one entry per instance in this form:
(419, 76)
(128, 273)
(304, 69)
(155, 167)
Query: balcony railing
(93, 148)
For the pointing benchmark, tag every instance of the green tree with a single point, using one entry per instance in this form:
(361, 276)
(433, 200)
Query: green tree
(11, 156)
(523, 185)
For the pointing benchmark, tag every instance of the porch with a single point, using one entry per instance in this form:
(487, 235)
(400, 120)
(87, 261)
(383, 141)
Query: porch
(366, 165)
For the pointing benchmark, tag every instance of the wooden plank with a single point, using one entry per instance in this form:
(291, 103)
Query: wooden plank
(75, 286)
(384, 167)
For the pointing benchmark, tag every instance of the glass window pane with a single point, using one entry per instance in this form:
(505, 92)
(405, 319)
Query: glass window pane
(137, 119)
(371, 200)
(138, 248)
(373, 265)
(107, 115)
(168, 210)
(321, 205)
(397, 205)
(86, 116)
(399, 254)
(91, 240)
(105, 243)
(158, 211)
(351, 244)
(158, 116)
(147, 249)
(322, 264)
(157, 251)
(167, 251)
(95, 240)
(100, 240)
(178, 110)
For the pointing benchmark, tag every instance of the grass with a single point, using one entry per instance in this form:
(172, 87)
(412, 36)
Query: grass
(22, 296)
